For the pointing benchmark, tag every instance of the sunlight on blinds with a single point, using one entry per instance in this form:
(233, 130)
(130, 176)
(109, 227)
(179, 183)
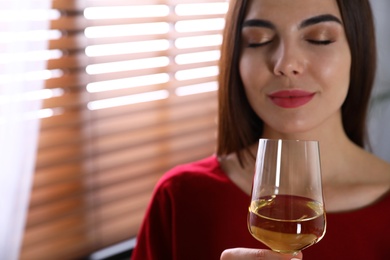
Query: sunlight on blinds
(32, 35)
(201, 9)
(191, 42)
(126, 48)
(198, 41)
(127, 30)
(29, 57)
(28, 96)
(197, 73)
(127, 65)
(182, 27)
(32, 95)
(196, 89)
(128, 100)
(196, 57)
(133, 47)
(30, 76)
(115, 12)
(128, 82)
(200, 25)
(29, 15)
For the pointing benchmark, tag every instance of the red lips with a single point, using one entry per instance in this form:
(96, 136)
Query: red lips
(291, 98)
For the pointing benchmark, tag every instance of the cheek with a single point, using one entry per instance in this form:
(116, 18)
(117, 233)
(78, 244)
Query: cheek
(249, 79)
(245, 69)
(335, 78)
(335, 71)
(251, 71)
(339, 70)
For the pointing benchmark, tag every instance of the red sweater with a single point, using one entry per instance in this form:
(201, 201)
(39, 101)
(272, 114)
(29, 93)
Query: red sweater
(196, 212)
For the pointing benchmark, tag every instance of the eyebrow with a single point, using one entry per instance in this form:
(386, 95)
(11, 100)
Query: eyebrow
(305, 23)
(319, 19)
(258, 23)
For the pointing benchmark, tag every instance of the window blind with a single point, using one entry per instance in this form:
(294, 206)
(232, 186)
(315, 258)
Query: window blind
(130, 93)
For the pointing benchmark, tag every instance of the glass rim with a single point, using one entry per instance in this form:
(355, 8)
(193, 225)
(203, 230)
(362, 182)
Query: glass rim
(288, 140)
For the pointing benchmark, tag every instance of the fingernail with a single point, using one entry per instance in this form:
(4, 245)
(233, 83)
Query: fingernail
(295, 259)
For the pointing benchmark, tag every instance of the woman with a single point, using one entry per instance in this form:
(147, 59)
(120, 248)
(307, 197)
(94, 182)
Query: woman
(290, 70)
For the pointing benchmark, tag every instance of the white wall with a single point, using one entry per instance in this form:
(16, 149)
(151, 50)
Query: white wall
(379, 116)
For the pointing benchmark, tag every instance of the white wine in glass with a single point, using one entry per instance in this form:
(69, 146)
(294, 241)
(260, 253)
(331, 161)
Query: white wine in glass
(287, 211)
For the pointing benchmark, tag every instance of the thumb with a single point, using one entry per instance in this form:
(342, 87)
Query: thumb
(299, 256)
(258, 254)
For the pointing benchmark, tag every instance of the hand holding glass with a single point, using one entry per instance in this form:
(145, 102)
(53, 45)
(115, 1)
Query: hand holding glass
(287, 211)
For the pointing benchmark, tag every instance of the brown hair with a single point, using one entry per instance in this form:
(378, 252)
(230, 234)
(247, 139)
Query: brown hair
(239, 126)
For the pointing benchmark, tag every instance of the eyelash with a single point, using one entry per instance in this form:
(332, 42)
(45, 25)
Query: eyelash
(325, 42)
(255, 45)
(315, 42)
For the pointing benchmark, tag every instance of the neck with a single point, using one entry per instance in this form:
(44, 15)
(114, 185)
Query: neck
(334, 144)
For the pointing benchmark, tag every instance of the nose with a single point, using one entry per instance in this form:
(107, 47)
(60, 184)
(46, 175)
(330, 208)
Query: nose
(288, 61)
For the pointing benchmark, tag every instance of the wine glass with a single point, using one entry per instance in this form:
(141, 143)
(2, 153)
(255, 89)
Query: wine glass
(287, 211)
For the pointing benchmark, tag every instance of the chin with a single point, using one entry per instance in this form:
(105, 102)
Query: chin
(291, 129)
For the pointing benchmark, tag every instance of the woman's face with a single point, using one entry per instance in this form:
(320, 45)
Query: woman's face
(295, 63)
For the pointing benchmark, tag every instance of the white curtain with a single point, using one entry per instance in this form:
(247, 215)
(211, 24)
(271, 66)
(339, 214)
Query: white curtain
(18, 125)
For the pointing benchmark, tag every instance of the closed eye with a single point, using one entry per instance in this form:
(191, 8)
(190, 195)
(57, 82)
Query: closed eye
(258, 44)
(324, 42)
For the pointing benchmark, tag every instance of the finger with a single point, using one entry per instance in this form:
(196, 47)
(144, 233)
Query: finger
(255, 254)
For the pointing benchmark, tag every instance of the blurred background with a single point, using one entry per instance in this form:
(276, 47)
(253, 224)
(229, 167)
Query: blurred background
(98, 98)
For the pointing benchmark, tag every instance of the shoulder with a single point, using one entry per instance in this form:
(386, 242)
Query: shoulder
(204, 171)
(208, 164)
(376, 168)
(374, 175)
(368, 168)
(364, 181)
(205, 166)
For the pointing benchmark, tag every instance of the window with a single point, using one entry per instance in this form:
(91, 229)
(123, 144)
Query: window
(130, 92)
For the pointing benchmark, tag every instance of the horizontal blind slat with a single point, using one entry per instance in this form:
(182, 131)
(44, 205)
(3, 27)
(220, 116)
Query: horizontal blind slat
(71, 23)
(69, 5)
(72, 118)
(75, 41)
(57, 173)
